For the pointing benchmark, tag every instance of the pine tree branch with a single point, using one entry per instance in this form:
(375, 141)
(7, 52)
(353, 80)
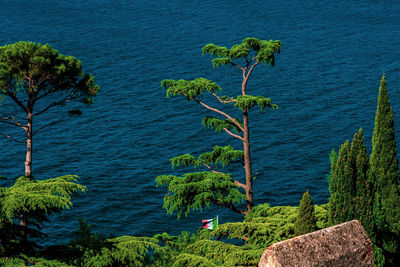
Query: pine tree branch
(240, 184)
(37, 97)
(251, 69)
(220, 112)
(247, 75)
(241, 68)
(234, 135)
(11, 138)
(44, 126)
(234, 181)
(68, 97)
(223, 101)
(208, 167)
(15, 123)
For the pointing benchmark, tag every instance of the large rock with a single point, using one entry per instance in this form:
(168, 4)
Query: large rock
(345, 244)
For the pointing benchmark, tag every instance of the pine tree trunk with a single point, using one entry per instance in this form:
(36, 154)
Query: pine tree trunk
(28, 160)
(246, 148)
(28, 165)
(247, 162)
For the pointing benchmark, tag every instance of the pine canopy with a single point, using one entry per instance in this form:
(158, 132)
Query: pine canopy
(265, 51)
(38, 197)
(39, 70)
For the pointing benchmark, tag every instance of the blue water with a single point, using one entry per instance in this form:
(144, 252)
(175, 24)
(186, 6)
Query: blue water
(325, 82)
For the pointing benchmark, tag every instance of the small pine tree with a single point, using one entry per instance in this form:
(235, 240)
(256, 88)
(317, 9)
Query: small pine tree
(384, 175)
(305, 221)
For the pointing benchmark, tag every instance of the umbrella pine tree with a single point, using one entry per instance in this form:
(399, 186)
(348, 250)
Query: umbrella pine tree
(35, 78)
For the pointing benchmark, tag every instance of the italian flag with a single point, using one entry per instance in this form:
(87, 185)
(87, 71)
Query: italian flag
(210, 224)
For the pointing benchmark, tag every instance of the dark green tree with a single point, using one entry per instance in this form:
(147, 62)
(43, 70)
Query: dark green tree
(384, 175)
(35, 200)
(37, 76)
(363, 194)
(197, 190)
(341, 186)
(351, 192)
(306, 221)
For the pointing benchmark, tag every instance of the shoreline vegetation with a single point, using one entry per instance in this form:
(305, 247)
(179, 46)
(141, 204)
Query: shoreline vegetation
(363, 187)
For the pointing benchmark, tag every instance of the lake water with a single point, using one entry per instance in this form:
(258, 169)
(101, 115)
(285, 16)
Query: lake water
(325, 83)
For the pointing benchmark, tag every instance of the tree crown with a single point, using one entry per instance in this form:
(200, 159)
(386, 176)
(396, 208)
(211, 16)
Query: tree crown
(39, 70)
(265, 51)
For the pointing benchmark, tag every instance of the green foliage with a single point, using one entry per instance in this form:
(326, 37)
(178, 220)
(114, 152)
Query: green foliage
(306, 221)
(210, 185)
(363, 195)
(183, 160)
(219, 156)
(368, 189)
(322, 215)
(197, 190)
(39, 70)
(246, 102)
(25, 261)
(191, 260)
(219, 125)
(351, 190)
(212, 250)
(125, 251)
(38, 197)
(35, 200)
(384, 175)
(341, 200)
(190, 89)
(179, 243)
(265, 225)
(265, 51)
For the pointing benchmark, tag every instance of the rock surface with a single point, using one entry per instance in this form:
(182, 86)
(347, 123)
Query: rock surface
(345, 244)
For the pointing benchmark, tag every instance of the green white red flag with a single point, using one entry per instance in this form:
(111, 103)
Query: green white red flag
(210, 224)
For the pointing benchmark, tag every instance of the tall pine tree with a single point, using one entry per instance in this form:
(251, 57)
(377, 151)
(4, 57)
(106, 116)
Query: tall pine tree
(384, 174)
(305, 221)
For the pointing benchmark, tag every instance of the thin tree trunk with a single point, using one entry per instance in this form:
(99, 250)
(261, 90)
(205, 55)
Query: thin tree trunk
(247, 162)
(246, 145)
(28, 166)
(28, 161)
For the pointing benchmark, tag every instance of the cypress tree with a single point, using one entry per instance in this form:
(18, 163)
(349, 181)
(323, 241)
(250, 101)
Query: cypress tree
(384, 175)
(332, 180)
(363, 197)
(341, 186)
(305, 221)
(351, 195)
